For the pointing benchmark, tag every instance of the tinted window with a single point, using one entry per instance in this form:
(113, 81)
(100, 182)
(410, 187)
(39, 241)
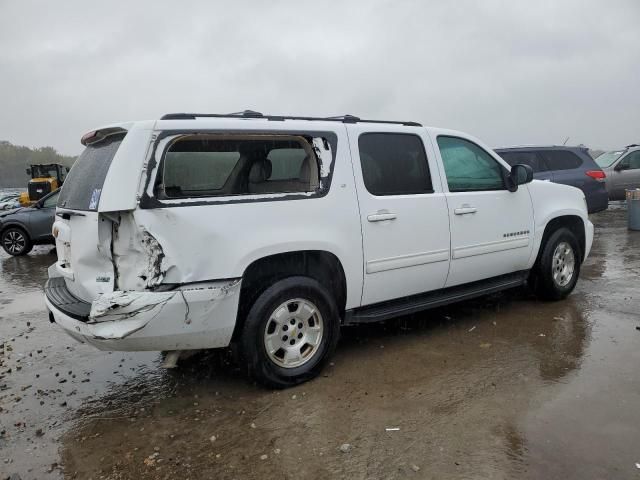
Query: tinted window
(394, 164)
(561, 159)
(83, 185)
(524, 158)
(468, 167)
(216, 166)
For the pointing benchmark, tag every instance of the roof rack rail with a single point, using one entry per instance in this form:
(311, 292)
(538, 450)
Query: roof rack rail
(279, 118)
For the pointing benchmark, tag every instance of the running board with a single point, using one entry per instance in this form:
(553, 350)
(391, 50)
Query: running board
(437, 298)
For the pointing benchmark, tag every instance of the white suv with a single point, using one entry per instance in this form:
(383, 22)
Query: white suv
(268, 233)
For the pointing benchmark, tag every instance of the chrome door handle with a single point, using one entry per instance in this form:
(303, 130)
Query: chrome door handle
(465, 209)
(381, 216)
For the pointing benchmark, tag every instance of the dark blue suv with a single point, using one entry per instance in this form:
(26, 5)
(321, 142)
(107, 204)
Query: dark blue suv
(567, 165)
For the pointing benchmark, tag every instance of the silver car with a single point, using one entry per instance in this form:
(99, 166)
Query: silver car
(622, 168)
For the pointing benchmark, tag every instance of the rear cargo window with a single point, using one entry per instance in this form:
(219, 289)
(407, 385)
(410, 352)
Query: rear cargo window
(210, 166)
(83, 185)
(561, 159)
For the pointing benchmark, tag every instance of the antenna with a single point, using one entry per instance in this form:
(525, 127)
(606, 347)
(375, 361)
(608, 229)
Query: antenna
(565, 141)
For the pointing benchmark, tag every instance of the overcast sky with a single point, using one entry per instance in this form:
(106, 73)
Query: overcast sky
(509, 72)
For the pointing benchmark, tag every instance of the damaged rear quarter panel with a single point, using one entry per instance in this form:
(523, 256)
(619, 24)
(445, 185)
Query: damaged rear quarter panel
(192, 317)
(219, 237)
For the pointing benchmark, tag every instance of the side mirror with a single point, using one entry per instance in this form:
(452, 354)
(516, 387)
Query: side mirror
(621, 166)
(520, 174)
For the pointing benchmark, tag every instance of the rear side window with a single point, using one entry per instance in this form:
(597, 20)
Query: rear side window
(525, 158)
(468, 167)
(223, 165)
(394, 164)
(83, 185)
(561, 159)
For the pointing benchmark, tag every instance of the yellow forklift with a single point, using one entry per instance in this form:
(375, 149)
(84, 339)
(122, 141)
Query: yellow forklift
(45, 178)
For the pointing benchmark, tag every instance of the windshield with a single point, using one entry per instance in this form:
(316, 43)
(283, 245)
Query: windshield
(607, 158)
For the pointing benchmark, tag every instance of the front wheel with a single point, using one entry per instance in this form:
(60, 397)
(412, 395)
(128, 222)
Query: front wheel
(290, 332)
(16, 242)
(556, 273)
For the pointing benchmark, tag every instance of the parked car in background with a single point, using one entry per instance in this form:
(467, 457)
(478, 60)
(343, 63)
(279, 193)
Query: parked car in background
(567, 165)
(22, 228)
(622, 168)
(270, 232)
(10, 201)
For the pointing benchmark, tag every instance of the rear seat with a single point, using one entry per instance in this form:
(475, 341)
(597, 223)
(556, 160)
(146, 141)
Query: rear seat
(260, 174)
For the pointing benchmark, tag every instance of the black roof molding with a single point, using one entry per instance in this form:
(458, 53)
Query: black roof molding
(279, 118)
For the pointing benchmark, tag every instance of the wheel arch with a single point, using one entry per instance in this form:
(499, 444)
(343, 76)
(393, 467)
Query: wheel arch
(321, 265)
(574, 223)
(13, 223)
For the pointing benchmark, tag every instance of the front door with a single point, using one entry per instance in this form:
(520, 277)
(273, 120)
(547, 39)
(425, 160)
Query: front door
(41, 219)
(403, 210)
(491, 227)
(626, 175)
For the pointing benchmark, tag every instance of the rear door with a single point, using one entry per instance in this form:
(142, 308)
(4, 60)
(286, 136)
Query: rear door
(540, 168)
(83, 236)
(491, 227)
(403, 212)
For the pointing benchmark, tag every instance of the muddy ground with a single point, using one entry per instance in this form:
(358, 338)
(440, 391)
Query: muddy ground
(501, 387)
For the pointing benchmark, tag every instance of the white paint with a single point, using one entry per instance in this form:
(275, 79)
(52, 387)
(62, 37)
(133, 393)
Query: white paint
(389, 246)
(409, 253)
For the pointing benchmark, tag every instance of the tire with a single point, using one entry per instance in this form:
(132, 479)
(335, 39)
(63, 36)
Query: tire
(16, 241)
(296, 352)
(558, 268)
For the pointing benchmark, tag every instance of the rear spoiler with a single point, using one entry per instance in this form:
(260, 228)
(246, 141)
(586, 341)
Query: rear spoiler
(96, 136)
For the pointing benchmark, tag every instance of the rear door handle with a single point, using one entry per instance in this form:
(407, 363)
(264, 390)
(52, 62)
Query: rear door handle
(465, 209)
(381, 216)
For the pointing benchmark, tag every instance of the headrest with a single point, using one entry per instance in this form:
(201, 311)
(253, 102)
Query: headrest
(260, 171)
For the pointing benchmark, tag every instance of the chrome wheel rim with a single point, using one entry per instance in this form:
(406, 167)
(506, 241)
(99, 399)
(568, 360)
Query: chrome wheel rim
(14, 241)
(564, 264)
(293, 333)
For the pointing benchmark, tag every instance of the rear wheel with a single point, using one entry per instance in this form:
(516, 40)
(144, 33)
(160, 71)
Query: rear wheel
(15, 241)
(556, 273)
(290, 332)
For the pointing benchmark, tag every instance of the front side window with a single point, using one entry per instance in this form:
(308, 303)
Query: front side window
(631, 161)
(210, 166)
(51, 201)
(525, 158)
(394, 164)
(468, 167)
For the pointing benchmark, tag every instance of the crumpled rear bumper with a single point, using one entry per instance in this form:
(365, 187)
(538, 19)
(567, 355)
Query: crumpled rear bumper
(195, 316)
